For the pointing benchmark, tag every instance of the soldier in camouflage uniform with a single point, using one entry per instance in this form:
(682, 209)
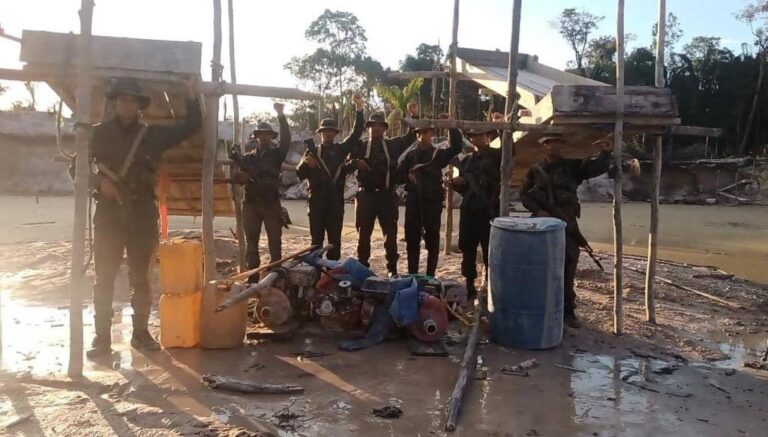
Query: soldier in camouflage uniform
(550, 191)
(479, 183)
(126, 153)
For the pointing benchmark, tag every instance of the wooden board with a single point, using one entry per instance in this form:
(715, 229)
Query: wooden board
(601, 100)
(128, 53)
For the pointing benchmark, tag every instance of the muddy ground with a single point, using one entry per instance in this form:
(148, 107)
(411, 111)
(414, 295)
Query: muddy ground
(682, 376)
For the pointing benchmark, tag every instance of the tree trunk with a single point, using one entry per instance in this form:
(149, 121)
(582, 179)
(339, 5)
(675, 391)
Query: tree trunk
(753, 110)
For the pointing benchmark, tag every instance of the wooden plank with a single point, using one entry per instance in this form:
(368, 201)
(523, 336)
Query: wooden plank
(82, 175)
(618, 198)
(606, 119)
(507, 144)
(222, 88)
(589, 100)
(408, 75)
(38, 47)
(696, 131)
(467, 365)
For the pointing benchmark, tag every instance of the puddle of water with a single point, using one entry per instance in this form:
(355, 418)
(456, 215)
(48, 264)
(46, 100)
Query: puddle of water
(740, 348)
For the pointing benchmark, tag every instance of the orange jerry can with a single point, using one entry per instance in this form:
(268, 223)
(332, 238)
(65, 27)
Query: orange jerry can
(225, 329)
(181, 266)
(180, 320)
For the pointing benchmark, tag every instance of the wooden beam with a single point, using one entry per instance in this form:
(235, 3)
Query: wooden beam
(59, 49)
(209, 157)
(696, 131)
(82, 175)
(653, 234)
(618, 139)
(222, 88)
(237, 128)
(507, 143)
(408, 75)
(453, 77)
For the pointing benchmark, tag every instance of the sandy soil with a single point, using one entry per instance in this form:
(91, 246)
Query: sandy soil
(682, 376)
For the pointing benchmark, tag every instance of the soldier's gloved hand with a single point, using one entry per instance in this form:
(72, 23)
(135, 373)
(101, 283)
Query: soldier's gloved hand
(234, 152)
(458, 182)
(413, 109)
(357, 99)
(279, 107)
(108, 188)
(311, 162)
(362, 165)
(241, 178)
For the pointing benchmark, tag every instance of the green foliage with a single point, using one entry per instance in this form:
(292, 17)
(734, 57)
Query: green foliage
(672, 35)
(428, 57)
(339, 32)
(304, 116)
(575, 27)
(398, 97)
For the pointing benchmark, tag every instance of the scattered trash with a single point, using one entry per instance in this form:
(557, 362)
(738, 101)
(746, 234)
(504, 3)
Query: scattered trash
(755, 365)
(286, 419)
(719, 388)
(481, 371)
(666, 370)
(388, 412)
(629, 375)
(520, 369)
(532, 432)
(644, 355)
(573, 369)
(225, 383)
(304, 355)
(729, 372)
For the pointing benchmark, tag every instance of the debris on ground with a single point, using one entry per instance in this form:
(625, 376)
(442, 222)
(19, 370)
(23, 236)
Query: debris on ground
(666, 370)
(226, 383)
(520, 369)
(286, 419)
(755, 365)
(388, 412)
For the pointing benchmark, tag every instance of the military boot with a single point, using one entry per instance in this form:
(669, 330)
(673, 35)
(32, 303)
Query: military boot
(102, 341)
(471, 291)
(141, 338)
(432, 258)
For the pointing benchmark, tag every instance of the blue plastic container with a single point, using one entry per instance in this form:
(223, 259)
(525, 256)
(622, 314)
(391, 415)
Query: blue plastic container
(525, 282)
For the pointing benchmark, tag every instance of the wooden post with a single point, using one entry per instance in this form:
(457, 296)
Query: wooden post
(618, 244)
(236, 134)
(653, 236)
(507, 142)
(451, 116)
(82, 173)
(209, 154)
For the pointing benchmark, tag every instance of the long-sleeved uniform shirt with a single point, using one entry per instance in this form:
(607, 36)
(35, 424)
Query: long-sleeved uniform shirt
(329, 177)
(558, 181)
(482, 174)
(112, 141)
(382, 161)
(264, 164)
(428, 163)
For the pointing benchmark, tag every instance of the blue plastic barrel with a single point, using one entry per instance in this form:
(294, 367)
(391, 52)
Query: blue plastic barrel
(525, 282)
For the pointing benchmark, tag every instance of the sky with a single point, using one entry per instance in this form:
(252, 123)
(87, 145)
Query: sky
(268, 34)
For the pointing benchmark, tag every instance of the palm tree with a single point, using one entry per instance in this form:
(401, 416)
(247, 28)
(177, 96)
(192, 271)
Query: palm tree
(399, 98)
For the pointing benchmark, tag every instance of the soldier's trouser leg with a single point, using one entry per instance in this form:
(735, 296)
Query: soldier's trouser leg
(108, 245)
(388, 213)
(484, 231)
(334, 225)
(273, 224)
(432, 217)
(141, 247)
(572, 253)
(468, 240)
(413, 232)
(318, 220)
(365, 217)
(252, 220)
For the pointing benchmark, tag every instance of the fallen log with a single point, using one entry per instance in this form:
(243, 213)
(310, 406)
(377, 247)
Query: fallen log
(689, 289)
(466, 367)
(226, 383)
